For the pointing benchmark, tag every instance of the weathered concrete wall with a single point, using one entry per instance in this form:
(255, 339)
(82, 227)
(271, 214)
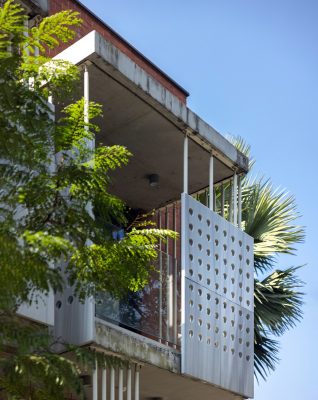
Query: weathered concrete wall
(136, 347)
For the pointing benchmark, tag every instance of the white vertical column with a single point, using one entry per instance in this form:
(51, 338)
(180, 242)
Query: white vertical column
(235, 199)
(112, 384)
(129, 383)
(175, 280)
(222, 199)
(95, 382)
(211, 190)
(121, 384)
(186, 164)
(86, 95)
(104, 384)
(137, 382)
(240, 202)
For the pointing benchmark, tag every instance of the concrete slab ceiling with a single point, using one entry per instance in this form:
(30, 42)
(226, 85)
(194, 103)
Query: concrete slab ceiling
(141, 115)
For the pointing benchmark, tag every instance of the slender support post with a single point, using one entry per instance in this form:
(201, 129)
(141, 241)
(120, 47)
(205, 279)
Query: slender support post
(175, 280)
(95, 382)
(86, 96)
(112, 384)
(160, 282)
(211, 189)
(129, 383)
(239, 202)
(121, 384)
(222, 200)
(186, 164)
(235, 199)
(137, 372)
(104, 384)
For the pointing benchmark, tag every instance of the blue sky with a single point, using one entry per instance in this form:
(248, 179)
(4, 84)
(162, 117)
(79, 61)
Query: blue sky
(251, 67)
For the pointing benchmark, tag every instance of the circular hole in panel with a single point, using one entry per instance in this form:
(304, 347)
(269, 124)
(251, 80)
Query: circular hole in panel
(208, 325)
(208, 237)
(190, 242)
(224, 334)
(232, 351)
(247, 344)
(224, 233)
(233, 267)
(200, 337)
(240, 257)
(224, 348)
(225, 247)
(232, 252)
(240, 271)
(240, 327)
(191, 334)
(208, 252)
(216, 256)
(216, 271)
(240, 354)
(208, 267)
(208, 281)
(216, 242)
(248, 316)
(216, 344)
(200, 277)
(240, 285)
(200, 307)
(208, 296)
(216, 286)
(248, 303)
(232, 309)
(208, 341)
(225, 276)
(200, 322)
(240, 299)
(247, 289)
(224, 319)
(191, 257)
(232, 322)
(216, 227)
(232, 337)
(248, 275)
(232, 281)
(191, 227)
(58, 304)
(240, 313)
(200, 217)
(191, 318)
(240, 340)
(70, 299)
(200, 232)
(190, 211)
(200, 261)
(248, 262)
(216, 329)
(224, 290)
(224, 304)
(233, 238)
(225, 261)
(191, 287)
(232, 295)
(208, 222)
(216, 300)
(216, 315)
(190, 271)
(240, 243)
(248, 358)
(248, 248)
(200, 246)
(208, 311)
(199, 292)
(247, 330)
(191, 303)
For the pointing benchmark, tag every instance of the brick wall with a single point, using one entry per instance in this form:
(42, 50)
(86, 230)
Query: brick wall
(90, 23)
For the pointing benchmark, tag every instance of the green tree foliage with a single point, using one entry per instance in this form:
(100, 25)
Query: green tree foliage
(53, 185)
(268, 215)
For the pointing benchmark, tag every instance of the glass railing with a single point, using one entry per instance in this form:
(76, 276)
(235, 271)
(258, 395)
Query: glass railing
(152, 312)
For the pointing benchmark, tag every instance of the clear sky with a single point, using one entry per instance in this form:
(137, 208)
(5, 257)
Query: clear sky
(251, 67)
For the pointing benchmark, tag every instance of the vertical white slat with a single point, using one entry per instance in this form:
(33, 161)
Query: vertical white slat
(235, 199)
(222, 200)
(160, 282)
(186, 164)
(239, 223)
(104, 384)
(86, 95)
(129, 383)
(211, 190)
(175, 280)
(137, 382)
(95, 382)
(112, 384)
(168, 283)
(121, 384)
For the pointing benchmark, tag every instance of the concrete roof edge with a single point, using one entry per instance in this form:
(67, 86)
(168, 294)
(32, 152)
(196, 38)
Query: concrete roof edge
(94, 45)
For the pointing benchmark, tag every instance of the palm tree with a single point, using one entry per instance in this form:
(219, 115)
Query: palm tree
(268, 216)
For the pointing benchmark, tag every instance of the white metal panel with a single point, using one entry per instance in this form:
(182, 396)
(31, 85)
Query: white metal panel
(217, 291)
(41, 311)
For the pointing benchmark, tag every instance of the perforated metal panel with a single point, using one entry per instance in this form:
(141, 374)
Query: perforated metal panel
(217, 288)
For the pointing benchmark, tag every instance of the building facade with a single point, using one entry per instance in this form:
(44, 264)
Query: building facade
(189, 333)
